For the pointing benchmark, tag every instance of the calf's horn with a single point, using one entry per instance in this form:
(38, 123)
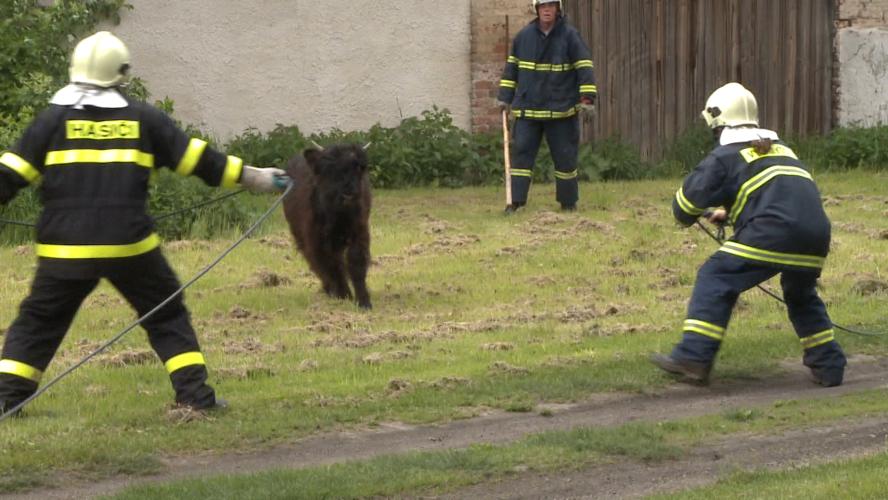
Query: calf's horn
(367, 146)
(317, 145)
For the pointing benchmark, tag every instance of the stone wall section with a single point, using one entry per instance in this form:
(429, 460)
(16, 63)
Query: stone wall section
(861, 62)
(494, 24)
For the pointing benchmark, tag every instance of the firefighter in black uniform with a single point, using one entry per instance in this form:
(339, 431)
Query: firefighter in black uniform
(91, 153)
(763, 190)
(547, 81)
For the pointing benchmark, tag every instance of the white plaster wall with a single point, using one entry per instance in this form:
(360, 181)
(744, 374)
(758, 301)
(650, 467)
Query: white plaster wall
(863, 76)
(318, 64)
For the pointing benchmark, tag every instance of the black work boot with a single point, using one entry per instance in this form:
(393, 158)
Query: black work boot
(827, 378)
(689, 371)
(568, 207)
(6, 406)
(204, 406)
(192, 389)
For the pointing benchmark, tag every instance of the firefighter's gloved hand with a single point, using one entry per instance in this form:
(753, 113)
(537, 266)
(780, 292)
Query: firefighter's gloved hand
(504, 107)
(717, 216)
(263, 180)
(587, 106)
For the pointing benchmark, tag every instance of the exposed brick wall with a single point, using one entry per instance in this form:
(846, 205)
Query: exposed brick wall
(862, 13)
(494, 23)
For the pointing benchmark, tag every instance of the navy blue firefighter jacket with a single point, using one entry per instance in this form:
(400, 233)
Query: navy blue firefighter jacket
(771, 200)
(92, 167)
(546, 75)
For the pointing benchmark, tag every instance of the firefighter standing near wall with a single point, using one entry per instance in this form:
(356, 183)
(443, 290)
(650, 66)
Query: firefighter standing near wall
(92, 152)
(547, 81)
(780, 227)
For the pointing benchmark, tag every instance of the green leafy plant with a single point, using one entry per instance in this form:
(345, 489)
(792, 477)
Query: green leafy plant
(35, 42)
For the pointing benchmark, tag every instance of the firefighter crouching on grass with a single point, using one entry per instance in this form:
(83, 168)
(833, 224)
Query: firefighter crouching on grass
(780, 227)
(547, 80)
(91, 153)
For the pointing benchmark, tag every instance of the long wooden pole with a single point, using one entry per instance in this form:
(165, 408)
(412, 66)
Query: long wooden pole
(508, 162)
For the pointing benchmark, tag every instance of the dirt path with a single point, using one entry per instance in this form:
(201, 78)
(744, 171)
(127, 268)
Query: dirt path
(676, 402)
(704, 465)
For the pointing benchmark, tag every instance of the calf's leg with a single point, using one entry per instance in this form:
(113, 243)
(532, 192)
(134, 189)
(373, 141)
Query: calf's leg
(358, 261)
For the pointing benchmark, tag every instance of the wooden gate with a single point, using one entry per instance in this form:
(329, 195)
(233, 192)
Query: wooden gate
(656, 61)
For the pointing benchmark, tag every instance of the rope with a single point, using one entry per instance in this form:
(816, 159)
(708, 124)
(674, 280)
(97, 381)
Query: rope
(199, 205)
(159, 217)
(720, 239)
(17, 223)
(150, 313)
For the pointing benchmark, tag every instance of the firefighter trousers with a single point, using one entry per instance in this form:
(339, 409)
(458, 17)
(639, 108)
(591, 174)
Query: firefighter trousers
(46, 314)
(719, 283)
(563, 138)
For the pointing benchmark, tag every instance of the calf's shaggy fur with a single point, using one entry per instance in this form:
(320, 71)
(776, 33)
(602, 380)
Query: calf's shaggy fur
(328, 211)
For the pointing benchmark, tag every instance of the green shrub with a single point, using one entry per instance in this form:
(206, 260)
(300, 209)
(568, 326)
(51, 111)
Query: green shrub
(845, 148)
(273, 149)
(428, 150)
(611, 159)
(683, 154)
(34, 45)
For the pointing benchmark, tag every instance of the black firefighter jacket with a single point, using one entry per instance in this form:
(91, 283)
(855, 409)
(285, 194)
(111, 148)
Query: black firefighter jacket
(771, 200)
(546, 75)
(92, 167)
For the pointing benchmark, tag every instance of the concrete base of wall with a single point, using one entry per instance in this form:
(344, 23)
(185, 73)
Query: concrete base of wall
(863, 71)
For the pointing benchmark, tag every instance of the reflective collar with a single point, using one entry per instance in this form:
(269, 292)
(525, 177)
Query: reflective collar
(735, 135)
(79, 96)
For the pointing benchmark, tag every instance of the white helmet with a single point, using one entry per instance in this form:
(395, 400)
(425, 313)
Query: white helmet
(537, 3)
(731, 106)
(101, 60)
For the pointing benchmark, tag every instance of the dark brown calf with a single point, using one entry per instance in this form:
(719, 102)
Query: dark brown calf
(328, 211)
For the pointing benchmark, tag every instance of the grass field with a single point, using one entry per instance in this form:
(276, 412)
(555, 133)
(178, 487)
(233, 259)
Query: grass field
(473, 311)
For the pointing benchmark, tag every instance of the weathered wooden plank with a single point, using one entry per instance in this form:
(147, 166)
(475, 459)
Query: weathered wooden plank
(656, 61)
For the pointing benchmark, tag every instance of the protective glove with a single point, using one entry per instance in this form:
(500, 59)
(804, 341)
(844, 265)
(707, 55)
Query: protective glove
(716, 216)
(504, 107)
(263, 180)
(587, 106)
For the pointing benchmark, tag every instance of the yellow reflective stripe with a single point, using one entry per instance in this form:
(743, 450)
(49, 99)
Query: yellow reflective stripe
(232, 174)
(704, 328)
(790, 259)
(20, 369)
(818, 339)
(544, 114)
(20, 166)
(760, 180)
(191, 157)
(588, 89)
(70, 156)
(182, 360)
(566, 175)
(535, 66)
(521, 172)
(509, 84)
(98, 251)
(685, 204)
(750, 154)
